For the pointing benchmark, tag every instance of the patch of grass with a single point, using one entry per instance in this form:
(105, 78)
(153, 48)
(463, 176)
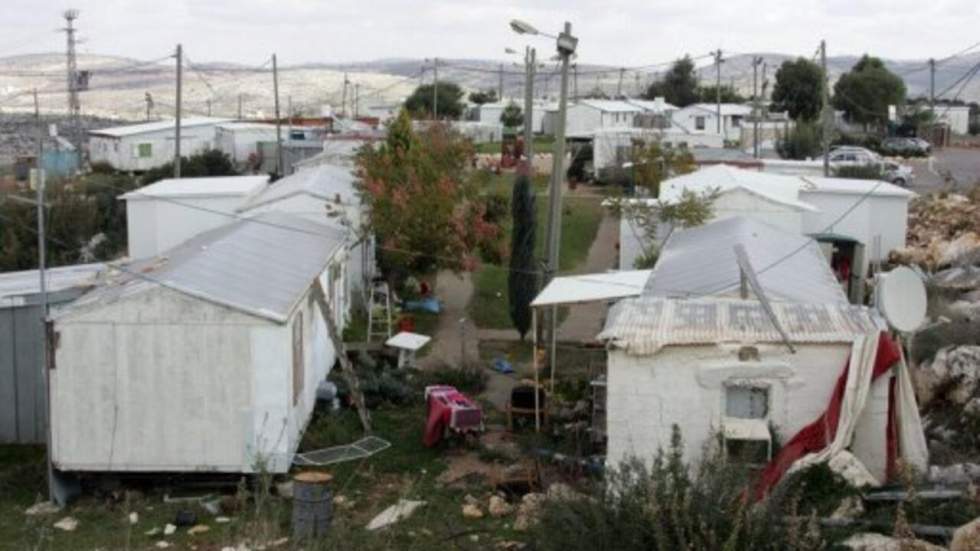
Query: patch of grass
(580, 222)
(542, 144)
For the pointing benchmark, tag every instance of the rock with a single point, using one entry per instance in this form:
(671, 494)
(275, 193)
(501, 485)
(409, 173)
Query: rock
(869, 541)
(510, 545)
(850, 507)
(965, 309)
(198, 529)
(152, 532)
(959, 278)
(470, 500)
(965, 249)
(560, 491)
(68, 524)
(134, 518)
(162, 545)
(972, 407)
(475, 538)
(42, 508)
(966, 537)
(851, 469)
(528, 511)
(499, 507)
(955, 369)
(403, 509)
(285, 489)
(472, 511)
(169, 530)
(222, 520)
(949, 475)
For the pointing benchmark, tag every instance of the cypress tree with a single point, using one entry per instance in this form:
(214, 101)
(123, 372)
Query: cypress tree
(522, 281)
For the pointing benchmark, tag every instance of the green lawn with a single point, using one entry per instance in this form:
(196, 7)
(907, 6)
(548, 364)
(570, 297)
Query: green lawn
(542, 144)
(579, 225)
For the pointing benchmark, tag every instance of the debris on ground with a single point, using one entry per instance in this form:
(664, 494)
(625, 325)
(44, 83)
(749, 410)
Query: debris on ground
(285, 489)
(68, 524)
(529, 511)
(966, 537)
(401, 510)
(222, 520)
(942, 228)
(198, 529)
(851, 507)
(169, 530)
(870, 541)
(134, 518)
(152, 532)
(162, 545)
(42, 508)
(498, 507)
(472, 511)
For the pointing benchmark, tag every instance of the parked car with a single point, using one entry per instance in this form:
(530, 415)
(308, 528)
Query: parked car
(855, 159)
(905, 146)
(853, 156)
(900, 175)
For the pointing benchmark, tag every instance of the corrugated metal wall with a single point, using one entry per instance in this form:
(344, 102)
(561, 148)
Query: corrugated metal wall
(22, 397)
(22, 407)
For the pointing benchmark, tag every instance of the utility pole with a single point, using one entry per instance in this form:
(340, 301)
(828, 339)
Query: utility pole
(756, 112)
(435, 88)
(529, 62)
(149, 104)
(826, 110)
(619, 85)
(566, 47)
(932, 85)
(639, 86)
(718, 61)
(209, 106)
(575, 95)
(275, 93)
(180, 70)
(289, 116)
(41, 263)
(500, 83)
(343, 101)
(357, 99)
(74, 106)
(239, 107)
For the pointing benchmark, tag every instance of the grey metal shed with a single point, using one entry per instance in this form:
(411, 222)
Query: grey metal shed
(23, 409)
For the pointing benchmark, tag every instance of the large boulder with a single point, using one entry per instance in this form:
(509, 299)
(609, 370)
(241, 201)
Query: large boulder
(954, 371)
(966, 537)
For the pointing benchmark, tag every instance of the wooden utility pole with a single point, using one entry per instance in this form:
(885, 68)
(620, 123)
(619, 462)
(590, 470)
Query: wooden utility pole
(529, 62)
(718, 61)
(500, 83)
(149, 104)
(575, 81)
(932, 85)
(209, 106)
(827, 122)
(343, 101)
(41, 264)
(180, 71)
(357, 99)
(275, 93)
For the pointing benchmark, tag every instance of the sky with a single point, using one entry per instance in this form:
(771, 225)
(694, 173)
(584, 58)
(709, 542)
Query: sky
(614, 32)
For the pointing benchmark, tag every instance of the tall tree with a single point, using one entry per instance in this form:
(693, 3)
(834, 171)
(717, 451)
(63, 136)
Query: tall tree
(449, 99)
(522, 281)
(799, 89)
(424, 212)
(679, 86)
(729, 94)
(512, 116)
(865, 92)
(480, 97)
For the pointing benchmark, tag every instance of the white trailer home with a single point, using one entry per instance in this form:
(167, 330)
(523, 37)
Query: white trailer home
(163, 215)
(240, 140)
(703, 117)
(694, 352)
(140, 147)
(206, 359)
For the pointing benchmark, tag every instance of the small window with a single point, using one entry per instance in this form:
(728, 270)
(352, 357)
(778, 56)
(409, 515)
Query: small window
(144, 150)
(736, 121)
(747, 402)
(298, 371)
(699, 123)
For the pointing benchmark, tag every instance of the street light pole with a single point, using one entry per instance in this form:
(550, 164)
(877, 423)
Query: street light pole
(529, 61)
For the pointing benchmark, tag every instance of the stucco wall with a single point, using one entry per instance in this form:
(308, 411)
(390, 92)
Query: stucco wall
(647, 395)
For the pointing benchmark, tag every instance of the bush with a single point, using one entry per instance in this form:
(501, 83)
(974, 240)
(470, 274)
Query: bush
(468, 379)
(866, 172)
(803, 142)
(672, 505)
(974, 128)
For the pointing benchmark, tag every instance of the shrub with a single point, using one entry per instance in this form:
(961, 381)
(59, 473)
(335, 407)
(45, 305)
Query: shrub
(469, 379)
(865, 172)
(802, 142)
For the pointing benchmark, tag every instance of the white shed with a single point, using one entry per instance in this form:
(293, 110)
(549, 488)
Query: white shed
(169, 212)
(203, 360)
(704, 117)
(588, 115)
(240, 140)
(140, 147)
(691, 352)
(329, 192)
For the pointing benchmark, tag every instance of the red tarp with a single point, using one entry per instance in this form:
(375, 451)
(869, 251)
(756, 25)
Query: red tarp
(449, 408)
(820, 433)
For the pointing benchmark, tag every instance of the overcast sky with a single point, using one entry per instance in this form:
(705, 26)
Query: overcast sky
(615, 32)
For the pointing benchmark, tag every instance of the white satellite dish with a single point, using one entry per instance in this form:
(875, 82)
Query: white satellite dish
(901, 298)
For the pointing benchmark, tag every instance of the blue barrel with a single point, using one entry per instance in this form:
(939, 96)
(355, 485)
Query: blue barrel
(312, 505)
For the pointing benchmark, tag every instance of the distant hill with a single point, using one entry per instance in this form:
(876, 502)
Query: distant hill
(119, 85)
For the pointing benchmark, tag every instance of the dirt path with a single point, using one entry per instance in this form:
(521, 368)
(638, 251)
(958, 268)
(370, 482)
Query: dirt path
(584, 321)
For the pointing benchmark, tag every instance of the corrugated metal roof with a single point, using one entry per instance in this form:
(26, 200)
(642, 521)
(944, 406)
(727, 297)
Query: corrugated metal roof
(726, 108)
(28, 282)
(644, 325)
(261, 266)
(775, 187)
(852, 186)
(701, 261)
(325, 182)
(197, 187)
(157, 126)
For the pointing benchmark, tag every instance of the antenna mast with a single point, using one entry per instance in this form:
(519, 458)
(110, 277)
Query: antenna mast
(74, 106)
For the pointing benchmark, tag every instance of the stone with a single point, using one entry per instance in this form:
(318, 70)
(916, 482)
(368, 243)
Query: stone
(869, 541)
(134, 518)
(510, 545)
(963, 365)
(966, 537)
(152, 532)
(560, 491)
(285, 489)
(68, 524)
(162, 545)
(472, 511)
(972, 407)
(222, 520)
(42, 508)
(949, 475)
(470, 500)
(169, 530)
(850, 507)
(198, 529)
(852, 470)
(528, 511)
(499, 507)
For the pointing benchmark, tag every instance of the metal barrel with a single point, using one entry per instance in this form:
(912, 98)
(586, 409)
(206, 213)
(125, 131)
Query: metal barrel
(312, 505)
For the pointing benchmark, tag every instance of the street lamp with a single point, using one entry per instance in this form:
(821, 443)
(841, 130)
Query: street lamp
(566, 45)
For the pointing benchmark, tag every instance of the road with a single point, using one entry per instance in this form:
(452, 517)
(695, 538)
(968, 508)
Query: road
(961, 164)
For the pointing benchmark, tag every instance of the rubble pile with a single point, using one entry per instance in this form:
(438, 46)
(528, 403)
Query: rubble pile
(942, 228)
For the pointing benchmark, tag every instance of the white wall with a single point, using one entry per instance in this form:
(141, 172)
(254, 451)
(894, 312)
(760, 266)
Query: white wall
(157, 225)
(685, 386)
(884, 216)
(241, 143)
(122, 153)
(687, 117)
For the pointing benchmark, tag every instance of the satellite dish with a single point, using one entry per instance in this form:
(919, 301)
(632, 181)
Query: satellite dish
(901, 298)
